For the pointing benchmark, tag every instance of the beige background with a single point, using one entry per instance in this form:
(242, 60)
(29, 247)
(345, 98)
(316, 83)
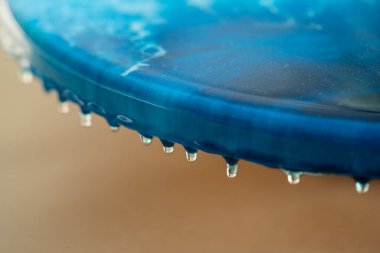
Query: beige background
(64, 188)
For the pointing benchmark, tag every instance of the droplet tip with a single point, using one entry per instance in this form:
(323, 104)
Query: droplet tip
(362, 187)
(64, 108)
(191, 156)
(293, 177)
(168, 150)
(114, 128)
(232, 170)
(26, 76)
(85, 120)
(145, 140)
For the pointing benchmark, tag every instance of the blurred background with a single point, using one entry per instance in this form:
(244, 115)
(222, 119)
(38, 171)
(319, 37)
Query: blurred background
(64, 188)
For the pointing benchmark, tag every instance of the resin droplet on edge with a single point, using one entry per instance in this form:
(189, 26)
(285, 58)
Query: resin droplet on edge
(232, 167)
(362, 187)
(64, 107)
(85, 119)
(167, 146)
(145, 140)
(114, 128)
(293, 177)
(113, 123)
(168, 150)
(26, 76)
(191, 156)
(232, 170)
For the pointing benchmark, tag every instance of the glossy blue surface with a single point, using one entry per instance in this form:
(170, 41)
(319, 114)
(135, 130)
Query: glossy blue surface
(288, 84)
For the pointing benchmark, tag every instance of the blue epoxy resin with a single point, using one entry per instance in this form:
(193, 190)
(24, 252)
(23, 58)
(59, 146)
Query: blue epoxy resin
(289, 84)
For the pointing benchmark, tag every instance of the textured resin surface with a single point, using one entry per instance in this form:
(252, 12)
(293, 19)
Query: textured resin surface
(288, 84)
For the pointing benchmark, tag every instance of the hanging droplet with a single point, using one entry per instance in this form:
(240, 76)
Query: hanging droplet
(190, 156)
(361, 184)
(168, 150)
(146, 140)
(114, 128)
(362, 187)
(26, 76)
(232, 166)
(85, 119)
(113, 124)
(167, 146)
(293, 177)
(232, 170)
(64, 107)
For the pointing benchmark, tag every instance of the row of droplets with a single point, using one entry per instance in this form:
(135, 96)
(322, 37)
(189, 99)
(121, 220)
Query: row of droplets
(294, 177)
(168, 147)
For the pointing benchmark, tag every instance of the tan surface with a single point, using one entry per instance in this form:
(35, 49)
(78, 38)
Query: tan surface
(68, 189)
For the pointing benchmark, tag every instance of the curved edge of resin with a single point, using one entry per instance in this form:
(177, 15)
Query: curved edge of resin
(281, 139)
